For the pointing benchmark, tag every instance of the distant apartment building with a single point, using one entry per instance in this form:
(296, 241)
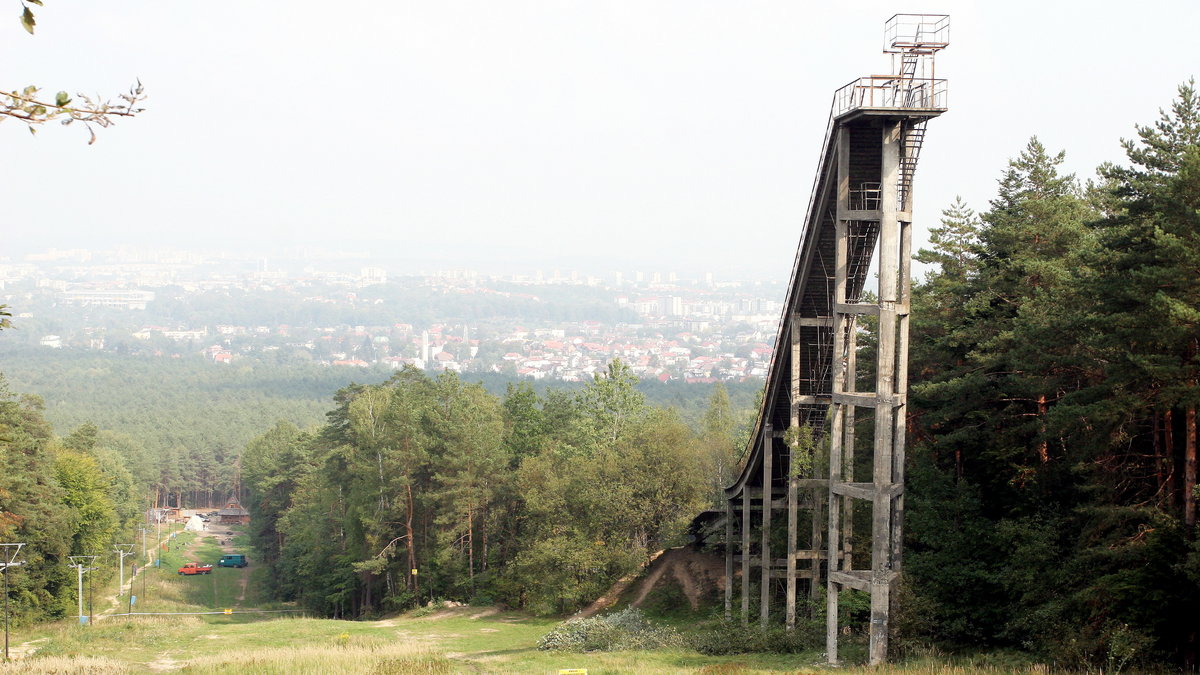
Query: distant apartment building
(117, 299)
(371, 276)
(52, 284)
(182, 335)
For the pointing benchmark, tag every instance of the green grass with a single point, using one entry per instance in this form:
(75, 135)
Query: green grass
(462, 640)
(459, 640)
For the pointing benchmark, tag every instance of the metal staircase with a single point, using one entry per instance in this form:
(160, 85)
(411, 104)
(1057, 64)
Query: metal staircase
(910, 152)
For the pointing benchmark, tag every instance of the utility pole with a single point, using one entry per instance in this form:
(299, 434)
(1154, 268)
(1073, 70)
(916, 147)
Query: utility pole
(122, 550)
(145, 566)
(10, 552)
(81, 564)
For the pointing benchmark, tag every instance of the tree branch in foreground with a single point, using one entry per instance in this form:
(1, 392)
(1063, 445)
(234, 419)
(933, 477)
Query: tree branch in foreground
(27, 107)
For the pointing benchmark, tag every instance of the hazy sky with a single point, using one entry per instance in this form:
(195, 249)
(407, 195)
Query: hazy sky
(677, 134)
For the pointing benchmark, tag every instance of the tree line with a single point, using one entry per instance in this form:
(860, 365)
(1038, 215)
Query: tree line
(61, 497)
(423, 488)
(1055, 366)
(422, 473)
(181, 424)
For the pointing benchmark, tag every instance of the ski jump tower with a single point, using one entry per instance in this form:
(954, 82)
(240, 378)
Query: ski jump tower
(818, 395)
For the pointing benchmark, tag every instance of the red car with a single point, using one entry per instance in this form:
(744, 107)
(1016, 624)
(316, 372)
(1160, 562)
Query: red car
(195, 568)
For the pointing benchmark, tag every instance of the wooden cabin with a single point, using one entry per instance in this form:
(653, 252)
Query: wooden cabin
(233, 514)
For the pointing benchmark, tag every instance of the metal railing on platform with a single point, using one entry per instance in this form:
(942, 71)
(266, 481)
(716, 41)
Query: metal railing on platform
(920, 32)
(890, 91)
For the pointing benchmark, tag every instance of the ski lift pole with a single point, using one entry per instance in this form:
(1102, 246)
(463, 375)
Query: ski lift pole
(9, 561)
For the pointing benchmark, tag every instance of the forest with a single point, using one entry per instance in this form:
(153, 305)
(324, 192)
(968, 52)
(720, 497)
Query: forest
(182, 423)
(528, 501)
(1051, 490)
(1054, 373)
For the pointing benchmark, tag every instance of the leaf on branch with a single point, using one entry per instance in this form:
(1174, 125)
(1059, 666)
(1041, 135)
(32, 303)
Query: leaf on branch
(27, 20)
(61, 99)
(93, 133)
(35, 2)
(32, 130)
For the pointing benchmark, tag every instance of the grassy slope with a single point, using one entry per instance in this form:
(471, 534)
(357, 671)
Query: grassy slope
(458, 640)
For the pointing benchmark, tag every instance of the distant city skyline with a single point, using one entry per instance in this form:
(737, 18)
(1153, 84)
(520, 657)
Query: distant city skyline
(557, 325)
(289, 258)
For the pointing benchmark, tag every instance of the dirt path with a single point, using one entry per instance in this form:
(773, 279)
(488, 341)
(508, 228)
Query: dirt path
(696, 573)
(225, 541)
(164, 663)
(242, 583)
(115, 606)
(613, 594)
(244, 572)
(25, 649)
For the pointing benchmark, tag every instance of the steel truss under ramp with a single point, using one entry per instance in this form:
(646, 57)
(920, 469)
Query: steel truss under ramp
(861, 202)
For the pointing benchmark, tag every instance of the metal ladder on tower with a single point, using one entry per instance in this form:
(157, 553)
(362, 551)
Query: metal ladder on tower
(910, 89)
(910, 151)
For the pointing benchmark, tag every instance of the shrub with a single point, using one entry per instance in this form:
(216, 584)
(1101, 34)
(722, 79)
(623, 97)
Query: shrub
(731, 637)
(619, 631)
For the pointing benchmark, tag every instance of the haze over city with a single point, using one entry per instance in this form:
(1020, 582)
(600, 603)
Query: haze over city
(590, 135)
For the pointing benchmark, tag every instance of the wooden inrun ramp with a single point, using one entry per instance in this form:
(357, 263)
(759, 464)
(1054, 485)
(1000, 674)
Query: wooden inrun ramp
(861, 203)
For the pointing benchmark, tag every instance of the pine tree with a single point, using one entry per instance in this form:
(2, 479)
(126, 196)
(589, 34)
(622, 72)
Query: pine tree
(984, 382)
(1150, 264)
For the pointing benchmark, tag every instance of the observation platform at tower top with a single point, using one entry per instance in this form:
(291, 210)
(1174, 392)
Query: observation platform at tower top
(912, 40)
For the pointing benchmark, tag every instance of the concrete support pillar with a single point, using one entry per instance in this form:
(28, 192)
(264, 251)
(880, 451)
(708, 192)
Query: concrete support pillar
(793, 517)
(847, 515)
(900, 427)
(745, 555)
(764, 606)
(838, 411)
(792, 481)
(728, 559)
(885, 388)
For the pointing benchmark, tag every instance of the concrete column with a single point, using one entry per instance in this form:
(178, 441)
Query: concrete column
(768, 454)
(901, 407)
(838, 411)
(792, 488)
(745, 554)
(728, 559)
(885, 386)
(792, 506)
(847, 549)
